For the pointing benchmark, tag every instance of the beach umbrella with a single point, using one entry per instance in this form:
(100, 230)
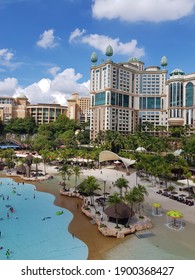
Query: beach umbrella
(175, 215)
(156, 205)
(117, 162)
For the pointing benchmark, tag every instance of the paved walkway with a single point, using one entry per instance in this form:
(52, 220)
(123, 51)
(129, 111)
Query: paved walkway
(111, 175)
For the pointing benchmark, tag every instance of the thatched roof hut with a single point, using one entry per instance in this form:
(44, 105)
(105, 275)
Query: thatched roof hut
(21, 169)
(123, 212)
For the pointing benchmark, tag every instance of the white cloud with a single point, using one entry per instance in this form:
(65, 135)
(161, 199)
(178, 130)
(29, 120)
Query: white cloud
(142, 10)
(57, 89)
(5, 54)
(8, 86)
(54, 70)
(76, 34)
(100, 42)
(6, 60)
(47, 40)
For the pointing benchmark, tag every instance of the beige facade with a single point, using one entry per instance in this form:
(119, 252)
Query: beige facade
(20, 107)
(79, 108)
(45, 113)
(124, 95)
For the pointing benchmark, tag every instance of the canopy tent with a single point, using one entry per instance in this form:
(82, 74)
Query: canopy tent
(177, 153)
(107, 155)
(141, 149)
(187, 182)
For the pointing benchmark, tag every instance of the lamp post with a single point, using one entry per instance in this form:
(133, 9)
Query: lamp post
(104, 195)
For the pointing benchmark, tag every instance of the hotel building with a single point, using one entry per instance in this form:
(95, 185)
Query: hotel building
(124, 95)
(20, 107)
(79, 108)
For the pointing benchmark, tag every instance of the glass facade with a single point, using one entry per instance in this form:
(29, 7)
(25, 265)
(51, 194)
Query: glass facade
(149, 103)
(189, 94)
(100, 98)
(176, 94)
(118, 99)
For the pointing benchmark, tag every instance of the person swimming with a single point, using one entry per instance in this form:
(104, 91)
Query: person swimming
(8, 253)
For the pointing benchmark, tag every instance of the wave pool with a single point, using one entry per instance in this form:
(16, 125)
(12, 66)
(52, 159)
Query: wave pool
(35, 229)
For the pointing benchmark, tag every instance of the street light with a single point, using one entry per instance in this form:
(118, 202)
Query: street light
(104, 195)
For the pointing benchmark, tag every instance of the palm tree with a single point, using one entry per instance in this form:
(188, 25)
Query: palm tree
(115, 199)
(139, 192)
(46, 158)
(130, 198)
(76, 171)
(65, 172)
(188, 175)
(90, 185)
(36, 161)
(121, 183)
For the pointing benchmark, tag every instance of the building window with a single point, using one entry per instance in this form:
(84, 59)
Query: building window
(189, 94)
(100, 98)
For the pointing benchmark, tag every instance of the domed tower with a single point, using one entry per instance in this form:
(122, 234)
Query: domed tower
(109, 51)
(94, 57)
(164, 62)
(20, 108)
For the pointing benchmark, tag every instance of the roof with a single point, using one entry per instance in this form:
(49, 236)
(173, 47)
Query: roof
(177, 71)
(123, 211)
(108, 155)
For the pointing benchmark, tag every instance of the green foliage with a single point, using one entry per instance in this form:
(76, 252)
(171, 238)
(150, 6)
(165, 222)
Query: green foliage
(21, 126)
(121, 183)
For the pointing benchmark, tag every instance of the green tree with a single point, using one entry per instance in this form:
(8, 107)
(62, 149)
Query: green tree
(121, 183)
(139, 192)
(65, 171)
(115, 199)
(76, 171)
(36, 161)
(89, 186)
(130, 198)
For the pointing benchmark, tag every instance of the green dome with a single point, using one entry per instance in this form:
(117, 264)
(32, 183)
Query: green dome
(94, 57)
(164, 61)
(109, 50)
(177, 71)
(133, 59)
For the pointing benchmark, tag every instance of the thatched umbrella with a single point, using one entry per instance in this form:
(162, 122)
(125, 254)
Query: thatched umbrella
(21, 169)
(122, 212)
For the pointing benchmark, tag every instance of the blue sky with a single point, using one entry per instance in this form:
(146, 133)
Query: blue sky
(46, 45)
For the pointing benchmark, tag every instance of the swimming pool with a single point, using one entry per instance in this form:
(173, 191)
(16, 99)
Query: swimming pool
(34, 231)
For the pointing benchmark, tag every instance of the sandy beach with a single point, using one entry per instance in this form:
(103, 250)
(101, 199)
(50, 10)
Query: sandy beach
(162, 243)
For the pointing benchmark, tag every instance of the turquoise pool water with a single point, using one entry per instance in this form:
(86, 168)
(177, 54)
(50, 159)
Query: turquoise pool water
(34, 231)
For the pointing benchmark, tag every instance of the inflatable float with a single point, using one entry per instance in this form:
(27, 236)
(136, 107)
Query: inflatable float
(59, 212)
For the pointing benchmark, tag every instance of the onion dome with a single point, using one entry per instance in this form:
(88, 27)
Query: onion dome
(94, 57)
(177, 71)
(133, 59)
(164, 61)
(109, 50)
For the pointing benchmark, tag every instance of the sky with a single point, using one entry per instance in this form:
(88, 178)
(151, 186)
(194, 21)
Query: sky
(46, 45)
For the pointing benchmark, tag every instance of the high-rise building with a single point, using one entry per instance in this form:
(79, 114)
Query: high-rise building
(79, 108)
(125, 94)
(181, 99)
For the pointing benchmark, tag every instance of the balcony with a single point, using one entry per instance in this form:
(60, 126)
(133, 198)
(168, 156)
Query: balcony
(176, 121)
